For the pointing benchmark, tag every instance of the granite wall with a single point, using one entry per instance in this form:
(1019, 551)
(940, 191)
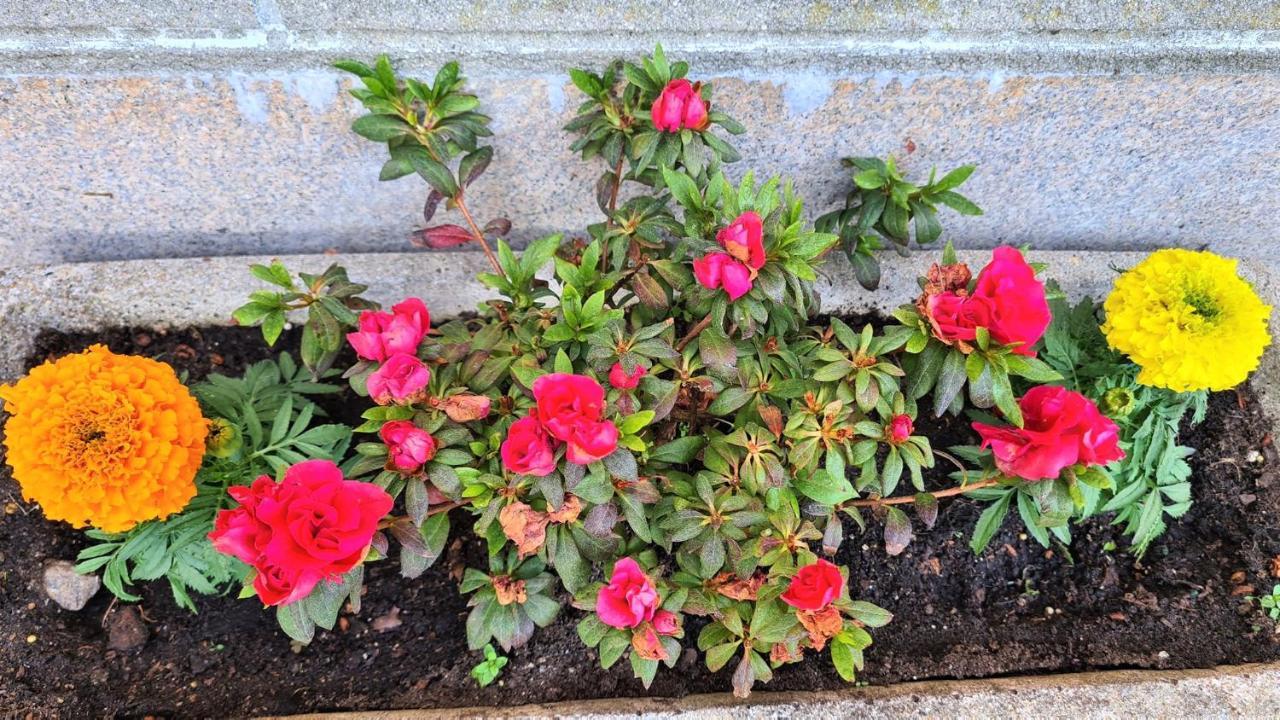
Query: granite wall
(173, 129)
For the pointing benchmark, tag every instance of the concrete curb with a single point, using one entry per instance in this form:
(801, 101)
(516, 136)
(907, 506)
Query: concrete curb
(186, 292)
(1241, 691)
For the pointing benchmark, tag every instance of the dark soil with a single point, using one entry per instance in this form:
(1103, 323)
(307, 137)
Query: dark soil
(1018, 609)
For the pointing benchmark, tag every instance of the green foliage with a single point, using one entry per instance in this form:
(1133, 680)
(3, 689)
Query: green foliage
(320, 608)
(509, 602)
(883, 205)
(486, 672)
(1151, 483)
(331, 301)
(177, 548)
(1270, 603)
(613, 123)
(433, 130)
(1153, 480)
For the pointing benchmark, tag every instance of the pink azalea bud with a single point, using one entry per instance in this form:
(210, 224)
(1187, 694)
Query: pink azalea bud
(409, 447)
(680, 107)
(621, 380)
(900, 428)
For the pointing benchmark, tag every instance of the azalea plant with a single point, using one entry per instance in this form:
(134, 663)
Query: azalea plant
(651, 421)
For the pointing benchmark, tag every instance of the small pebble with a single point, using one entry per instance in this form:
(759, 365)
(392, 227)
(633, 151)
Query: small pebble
(68, 588)
(1163, 655)
(125, 630)
(31, 639)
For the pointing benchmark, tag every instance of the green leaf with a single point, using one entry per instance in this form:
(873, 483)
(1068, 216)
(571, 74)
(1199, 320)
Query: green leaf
(953, 179)
(611, 648)
(989, 522)
(951, 379)
(295, 622)
(678, 451)
(682, 188)
(436, 174)
(958, 202)
(869, 614)
(1031, 519)
(720, 655)
(842, 659)
(729, 400)
(586, 82)
(380, 128)
(869, 179)
(275, 273)
(825, 488)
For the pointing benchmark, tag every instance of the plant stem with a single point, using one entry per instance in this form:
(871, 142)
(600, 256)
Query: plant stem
(479, 236)
(903, 500)
(693, 333)
(422, 133)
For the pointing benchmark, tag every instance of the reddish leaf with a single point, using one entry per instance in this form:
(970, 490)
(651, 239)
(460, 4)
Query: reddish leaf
(648, 291)
(927, 508)
(441, 237)
(429, 208)
(772, 417)
(498, 226)
(897, 531)
(600, 521)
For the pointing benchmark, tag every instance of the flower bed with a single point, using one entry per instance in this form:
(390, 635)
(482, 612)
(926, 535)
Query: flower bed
(241, 663)
(667, 443)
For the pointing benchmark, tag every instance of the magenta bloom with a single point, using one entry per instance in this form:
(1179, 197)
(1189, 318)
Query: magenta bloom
(401, 379)
(314, 524)
(527, 450)
(383, 334)
(1060, 428)
(629, 598)
(571, 408)
(719, 270)
(900, 429)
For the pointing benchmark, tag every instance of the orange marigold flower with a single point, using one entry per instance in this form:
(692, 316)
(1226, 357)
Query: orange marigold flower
(104, 440)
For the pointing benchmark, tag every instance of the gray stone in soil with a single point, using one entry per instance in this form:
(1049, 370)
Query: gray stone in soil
(68, 588)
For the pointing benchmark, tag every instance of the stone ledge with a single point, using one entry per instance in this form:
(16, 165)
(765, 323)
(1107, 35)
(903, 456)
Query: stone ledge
(56, 50)
(1241, 691)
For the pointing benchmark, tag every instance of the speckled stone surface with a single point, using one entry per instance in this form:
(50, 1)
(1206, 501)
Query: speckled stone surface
(187, 164)
(1246, 692)
(700, 16)
(172, 129)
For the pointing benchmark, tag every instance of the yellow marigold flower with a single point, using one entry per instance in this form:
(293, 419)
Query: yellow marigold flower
(1188, 320)
(104, 440)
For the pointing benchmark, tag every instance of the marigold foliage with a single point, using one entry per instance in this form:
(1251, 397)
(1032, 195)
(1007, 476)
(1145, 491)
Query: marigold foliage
(104, 440)
(1188, 320)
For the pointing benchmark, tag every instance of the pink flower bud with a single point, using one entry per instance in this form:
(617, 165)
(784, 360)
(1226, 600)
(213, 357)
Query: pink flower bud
(621, 380)
(900, 428)
(409, 447)
(680, 107)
